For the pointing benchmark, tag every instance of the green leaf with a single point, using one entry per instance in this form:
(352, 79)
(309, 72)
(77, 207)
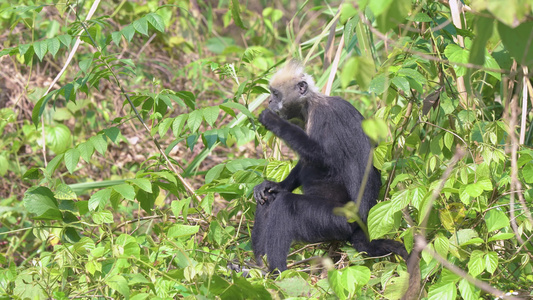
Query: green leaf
(128, 32)
(65, 39)
(72, 157)
(400, 200)
(141, 25)
(442, 291)
(491, 262)
(402, 84)
(236, 13)
(42, 202)
(112, 133)
(116, 36)
(85, 64)
(102, 217)
(99, 199)
(86, 150)
(53, 46)
(517, 41)
(501, 237)
(474, 190)
(496, 219)
(278, 170)
(376, 129)
(214, 173)
(39, 107)
(476, 265)
(164, 126)
(195, 120)
(239, 107)
(156, 21)
(177, 125)
(126, 190)
(119, 284)
(379, 84)
(40, 48)
(527, 173)
(58, 138)
(380, 220)
(442, 245)
(99, 143)
(64, 192)
(468, 291)
(180, 230)
(142, 183)
(211, 114)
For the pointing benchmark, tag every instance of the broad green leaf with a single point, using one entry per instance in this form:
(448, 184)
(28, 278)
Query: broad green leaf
(468, 291)
(99, 199)
(474, 189)
(457, 54)
(195, 120)
(119, 284)
(85, 64)
(58, 138)
(180, 230)
(116, 36)
(400, 200)
(277, 170)
(40, 48)
(501, 236)
(337, 283)
(294, 286)
(142, 183)
(491, 262)
(239, 107)
(141, 26)
(64, 192)
(112, 133)
(476, 264)
(440, 291)
(211, 114)
(128, 32)
(86, 150)
(42, 202)
(126, 190)
(99, 143)
(376, 129)
(496, 219)
(72, 157)
(442, 245)
(214, 173)
(380, 220)
(164, 126)
(53, 46)
(102, 217)
(379, 84)
(527, 172)
(517, 41)
(177, 125)
(378, 7)
(402, 84)
(65, 39)
(156, 21)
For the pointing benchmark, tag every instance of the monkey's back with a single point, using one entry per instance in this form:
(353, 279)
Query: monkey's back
(336, 125)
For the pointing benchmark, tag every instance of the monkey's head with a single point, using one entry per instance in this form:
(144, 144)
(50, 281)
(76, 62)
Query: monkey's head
(290, 89)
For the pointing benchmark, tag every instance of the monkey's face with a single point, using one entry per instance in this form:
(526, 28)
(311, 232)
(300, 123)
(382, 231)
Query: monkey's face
(287, 98)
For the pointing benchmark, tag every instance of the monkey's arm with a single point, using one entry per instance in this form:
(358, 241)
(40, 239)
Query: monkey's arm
(295, 137)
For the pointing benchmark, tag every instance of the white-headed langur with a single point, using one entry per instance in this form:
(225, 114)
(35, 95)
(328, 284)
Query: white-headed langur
(333, 154)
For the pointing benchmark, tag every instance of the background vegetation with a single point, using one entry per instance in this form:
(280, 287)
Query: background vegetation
(130, 146)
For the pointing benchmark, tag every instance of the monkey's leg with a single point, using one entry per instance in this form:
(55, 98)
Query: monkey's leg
(378, 247)
(259, 232)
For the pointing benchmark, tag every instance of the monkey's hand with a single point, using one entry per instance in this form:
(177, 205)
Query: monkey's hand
(270, 119)
(266, 191)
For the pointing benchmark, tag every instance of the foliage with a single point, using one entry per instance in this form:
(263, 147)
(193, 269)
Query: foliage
(132, 176)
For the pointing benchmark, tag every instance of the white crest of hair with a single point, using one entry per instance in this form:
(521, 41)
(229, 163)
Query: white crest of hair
(293, 71)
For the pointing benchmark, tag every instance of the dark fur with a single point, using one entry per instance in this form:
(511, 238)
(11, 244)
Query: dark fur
(333, 156)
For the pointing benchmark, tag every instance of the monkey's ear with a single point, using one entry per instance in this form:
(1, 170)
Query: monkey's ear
(302, 87)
